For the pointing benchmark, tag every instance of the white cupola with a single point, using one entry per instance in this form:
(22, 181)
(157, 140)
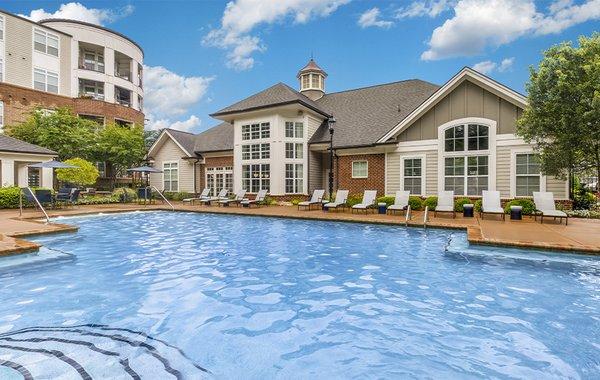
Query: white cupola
(312, 80)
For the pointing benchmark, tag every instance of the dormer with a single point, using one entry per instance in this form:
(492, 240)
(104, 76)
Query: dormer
(312, 80)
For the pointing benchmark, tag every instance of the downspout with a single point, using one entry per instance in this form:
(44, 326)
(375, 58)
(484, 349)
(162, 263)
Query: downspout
(337, 170)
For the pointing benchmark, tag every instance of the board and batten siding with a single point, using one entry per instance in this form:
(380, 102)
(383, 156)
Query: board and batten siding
(315, 171)
(169, 151)
(466, 100)
(393, 175)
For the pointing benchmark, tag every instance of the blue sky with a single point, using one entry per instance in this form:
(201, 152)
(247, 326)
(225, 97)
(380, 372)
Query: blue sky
(204, 55)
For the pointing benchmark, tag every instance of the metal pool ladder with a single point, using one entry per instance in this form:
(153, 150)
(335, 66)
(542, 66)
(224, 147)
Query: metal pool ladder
(37, 203)
(163, 197)
(425, 216)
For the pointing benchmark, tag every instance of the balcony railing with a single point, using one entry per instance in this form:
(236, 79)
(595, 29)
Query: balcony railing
(124, 75)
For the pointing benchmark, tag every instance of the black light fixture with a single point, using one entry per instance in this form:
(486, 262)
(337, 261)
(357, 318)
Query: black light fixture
(330, 123)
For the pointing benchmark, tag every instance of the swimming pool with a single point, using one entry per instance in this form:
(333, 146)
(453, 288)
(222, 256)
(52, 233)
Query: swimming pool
(162, 294)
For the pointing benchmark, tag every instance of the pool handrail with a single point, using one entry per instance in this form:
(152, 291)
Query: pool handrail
(163, 197)
(36, 201)
(425, 216)
(407, 217)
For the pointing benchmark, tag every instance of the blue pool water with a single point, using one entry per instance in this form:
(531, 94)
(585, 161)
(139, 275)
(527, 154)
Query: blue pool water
(166, 295)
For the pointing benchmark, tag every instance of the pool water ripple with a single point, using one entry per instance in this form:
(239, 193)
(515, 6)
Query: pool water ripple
(251, 297)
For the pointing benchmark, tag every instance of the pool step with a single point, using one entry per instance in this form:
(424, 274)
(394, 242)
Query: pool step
(43, 255)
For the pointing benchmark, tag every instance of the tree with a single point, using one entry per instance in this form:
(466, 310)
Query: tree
(84, 174)
(62, 131)
(562, 118)
(150, 137)
(122, 147)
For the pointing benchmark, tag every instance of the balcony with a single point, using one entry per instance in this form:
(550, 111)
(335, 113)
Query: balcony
(123, 66)
(91, 89)
(91, 57)
(123, 96)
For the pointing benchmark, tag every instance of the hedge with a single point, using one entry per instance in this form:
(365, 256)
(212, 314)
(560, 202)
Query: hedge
(9, 197)
(527, 204)
(431, 202)
(460, 202)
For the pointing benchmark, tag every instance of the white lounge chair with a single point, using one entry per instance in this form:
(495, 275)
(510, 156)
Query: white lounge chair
(258, 200)
(203, 195)
(545, 206)
(400, 202)
(445, 203)
(239, 196)
(368, 201)
(490, 204)
(220, 197)
(316, 199)
(341, 199)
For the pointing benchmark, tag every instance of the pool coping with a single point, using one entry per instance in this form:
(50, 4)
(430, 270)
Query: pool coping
(474, 232)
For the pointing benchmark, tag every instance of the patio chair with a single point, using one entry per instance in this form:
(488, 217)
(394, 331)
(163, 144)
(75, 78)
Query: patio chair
(239, 197)
(203, 195)
(368, 201)
(545, 206)
(258, 200)
(341, 199)
(316, 199)
(74, 197)
(222, 196)
(44, 197)
(490, 204)
(144, 194)
(400, 202)
(445, 203)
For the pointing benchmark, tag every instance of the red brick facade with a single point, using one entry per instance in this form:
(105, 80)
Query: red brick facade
(376, 174)
(20, 101)
(210, 162)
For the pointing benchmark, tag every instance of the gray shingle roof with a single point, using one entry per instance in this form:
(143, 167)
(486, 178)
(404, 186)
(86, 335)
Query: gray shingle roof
(279, 94)
(217, 138)
(364, 115)
(9, 144)
(185, 139)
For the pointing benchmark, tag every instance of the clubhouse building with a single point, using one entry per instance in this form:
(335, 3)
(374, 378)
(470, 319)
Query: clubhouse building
(406, 135)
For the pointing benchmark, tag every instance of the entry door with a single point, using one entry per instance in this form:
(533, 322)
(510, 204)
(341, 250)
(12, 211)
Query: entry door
(219, 178)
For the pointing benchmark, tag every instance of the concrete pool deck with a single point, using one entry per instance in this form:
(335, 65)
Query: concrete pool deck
(581, 235)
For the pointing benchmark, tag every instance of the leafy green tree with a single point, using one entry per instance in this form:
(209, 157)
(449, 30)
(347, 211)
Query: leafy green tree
(62, 131)
(563, 115)
(122, 147)
(84, 174)
(150, 137)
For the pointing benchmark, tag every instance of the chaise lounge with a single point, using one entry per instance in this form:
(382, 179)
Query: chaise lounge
(203, 195)
(545, 207)
(258, 200)
(220, 197)
(239, 197)
(490, 204)
(341, 199)
(368, 201)
(400, 202)
(445, 203)
(316, 199)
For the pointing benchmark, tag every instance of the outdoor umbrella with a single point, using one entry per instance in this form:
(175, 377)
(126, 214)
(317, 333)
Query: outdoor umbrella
(145, 169)
(52, 165)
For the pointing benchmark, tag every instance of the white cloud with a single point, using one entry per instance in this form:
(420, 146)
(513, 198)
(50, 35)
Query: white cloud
(479, 24)
(487, 67)
(241, 17)
(78, 11)
(169, 95)
(431, 8)
(371, 18)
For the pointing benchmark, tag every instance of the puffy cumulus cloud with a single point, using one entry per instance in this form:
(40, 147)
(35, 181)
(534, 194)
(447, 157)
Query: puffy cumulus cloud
(487, 67)
(168, 96)
(478, 24)
(371, 18)
(241, 17)
(78, 11)
(431, 8)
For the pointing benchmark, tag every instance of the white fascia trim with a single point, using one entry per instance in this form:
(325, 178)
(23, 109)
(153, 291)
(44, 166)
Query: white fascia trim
(510, 139)
(159, 139)
(423, 159)
(447, 88)
(417, 146)
(513, 171)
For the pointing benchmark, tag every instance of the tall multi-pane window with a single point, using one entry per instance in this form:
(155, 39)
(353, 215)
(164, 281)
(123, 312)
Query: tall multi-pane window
(256, 177)
(171, 176)
(218, 178)
(256, 131)
(294, 178)
(256, 151)
(528, 174)
(413, 175)
(477, 174)
(294, 129)
(45, 42)
(305, 81)
(93, 61)
(45, 80)
(454, 174)
(294, 150)
(33, 177)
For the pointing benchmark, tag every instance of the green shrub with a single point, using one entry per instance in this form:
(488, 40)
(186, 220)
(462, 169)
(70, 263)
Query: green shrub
(354, 200)
(460, 202)
(478, 204)
(416, 203)
(295, 201)
(431, 202)
(527, 204)
(177, 196)
(99, 200)
(387, 200)
(9, 197)
(124, 194)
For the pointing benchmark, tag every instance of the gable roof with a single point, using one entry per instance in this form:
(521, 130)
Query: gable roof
(10, 144)
(466, 73)
(185, 140)
(365, 114)
(217, 138)
(277, 95)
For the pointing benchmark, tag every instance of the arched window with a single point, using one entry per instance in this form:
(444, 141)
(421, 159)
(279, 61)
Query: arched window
(477, 137)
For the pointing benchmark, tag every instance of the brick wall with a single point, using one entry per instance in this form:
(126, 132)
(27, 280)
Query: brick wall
(376, 175)
(20, 101)
(211, 162)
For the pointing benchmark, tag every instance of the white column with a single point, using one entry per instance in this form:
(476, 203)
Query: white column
(47, 178)
(22, 175)
(8, 172)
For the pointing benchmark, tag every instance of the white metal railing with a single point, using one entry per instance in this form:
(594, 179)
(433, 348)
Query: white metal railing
(426, 216)
(37, 202)
(407, 215)
(163, 197)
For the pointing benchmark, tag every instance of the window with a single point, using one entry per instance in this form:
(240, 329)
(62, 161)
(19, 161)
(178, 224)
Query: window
(294, 130)
(294, 150)
(306, 81)
(93, 61)
(316, 81)
(44, 80)
(256, 177)
(476, 174)
(33, 177)
(218, 178)
(1, 70)
(477, 138)
(256, 151)
(1, 115)
(123, 96)
(90, 88)
(294, 178)
(45, 42)
(528, 174)
(140, 76)
(256, 131)
(94, 118)
(171, 176)
(360, 169)
(413, 175)
(454, 173)
(140, 103)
